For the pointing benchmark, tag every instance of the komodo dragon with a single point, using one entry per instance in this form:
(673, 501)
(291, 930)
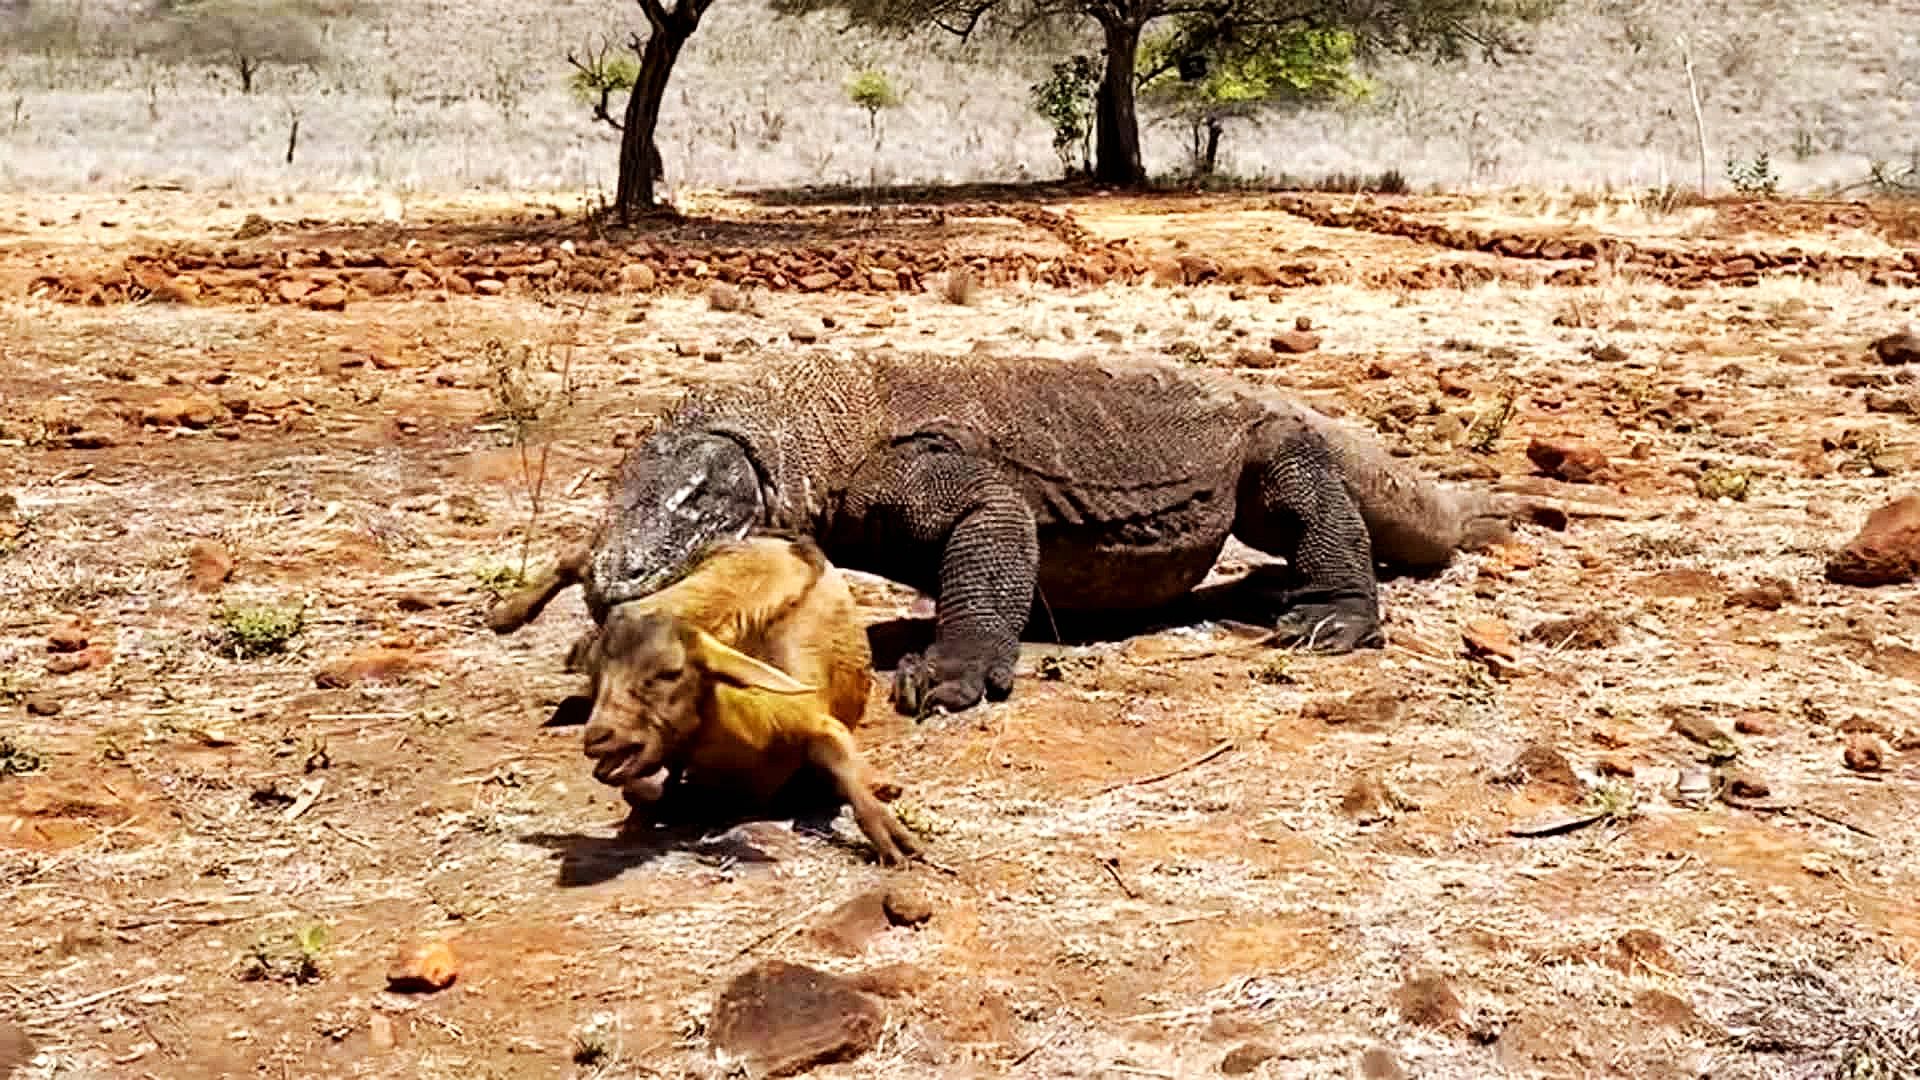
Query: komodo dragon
(1108, 485)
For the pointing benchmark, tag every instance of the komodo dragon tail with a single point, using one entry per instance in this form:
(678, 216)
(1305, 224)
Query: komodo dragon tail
(1415, 522)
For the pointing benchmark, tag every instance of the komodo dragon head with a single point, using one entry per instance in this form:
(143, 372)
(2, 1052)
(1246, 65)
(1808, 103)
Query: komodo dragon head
(678, 493)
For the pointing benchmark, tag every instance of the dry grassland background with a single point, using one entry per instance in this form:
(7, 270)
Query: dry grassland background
(440, 95)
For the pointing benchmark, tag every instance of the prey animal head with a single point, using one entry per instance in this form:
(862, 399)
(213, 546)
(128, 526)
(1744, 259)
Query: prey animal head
(652, 677)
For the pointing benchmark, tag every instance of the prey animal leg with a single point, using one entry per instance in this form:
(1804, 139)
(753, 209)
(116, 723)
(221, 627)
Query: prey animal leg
(1294, 503)
(833, 751)
(520, 608)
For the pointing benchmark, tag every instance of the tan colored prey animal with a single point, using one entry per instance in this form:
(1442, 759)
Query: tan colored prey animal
(740, 676)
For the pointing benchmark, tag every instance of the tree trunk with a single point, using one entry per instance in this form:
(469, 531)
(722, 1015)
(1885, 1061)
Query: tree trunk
(639, 154)
(1212, 159)
(1117, 125)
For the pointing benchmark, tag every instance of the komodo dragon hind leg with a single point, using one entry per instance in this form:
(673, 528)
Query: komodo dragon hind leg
(921, 505)
(1293, 503)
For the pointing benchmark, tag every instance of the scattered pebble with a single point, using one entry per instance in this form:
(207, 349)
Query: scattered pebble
(1886, 551)
(423, 968)
(1865, 753)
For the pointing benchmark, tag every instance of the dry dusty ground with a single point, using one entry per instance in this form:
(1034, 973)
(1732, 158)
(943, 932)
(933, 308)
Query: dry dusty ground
(1341, 877)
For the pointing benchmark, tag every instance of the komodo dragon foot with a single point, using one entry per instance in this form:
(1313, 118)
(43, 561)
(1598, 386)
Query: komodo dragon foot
(1335, 627)
(951, 679)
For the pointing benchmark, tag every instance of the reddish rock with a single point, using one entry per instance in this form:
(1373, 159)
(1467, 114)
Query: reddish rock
(1886, 551)
(1294, 341)
(1616, 766)
(209, 565)
(1572, 462)
(1899, 348)
(93, 656)
(1543, 765)
(1865, 753)
(785, 1018)
(326, 298)
(908, 905)
(638, 277)
(293, 290)
(848, 928)
(1587, 630)
(1245, 1058)
(196, 411)
(819, 281)
(378, 664)
(1489, 636)
(68, 638)
(1753, 723)
(1769, 594)
(423, 968)
(42, 704)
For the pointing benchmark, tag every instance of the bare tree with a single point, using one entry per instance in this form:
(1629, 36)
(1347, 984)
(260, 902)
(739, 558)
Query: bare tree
(598, 78)
(244, 36)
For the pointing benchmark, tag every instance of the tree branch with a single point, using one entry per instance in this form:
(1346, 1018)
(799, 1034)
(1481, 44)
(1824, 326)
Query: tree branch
(656, 15)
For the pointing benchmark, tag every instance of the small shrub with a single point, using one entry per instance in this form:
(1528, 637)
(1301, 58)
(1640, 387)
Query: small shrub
(498, 576)
(19, 759)
(961, 287)
(1755, 177)
(1064, 99)
(254, 630)
(297, 956)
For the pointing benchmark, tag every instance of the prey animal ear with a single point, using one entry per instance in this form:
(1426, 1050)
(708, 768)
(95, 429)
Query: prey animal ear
(738, 668)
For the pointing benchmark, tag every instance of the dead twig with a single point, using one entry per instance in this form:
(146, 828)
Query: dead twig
(75, 1005)
(1222, 748)
(309, 794)
(1112, 866)
(1554, 826)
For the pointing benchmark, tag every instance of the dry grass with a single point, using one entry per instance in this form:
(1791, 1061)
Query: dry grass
(1597, 105)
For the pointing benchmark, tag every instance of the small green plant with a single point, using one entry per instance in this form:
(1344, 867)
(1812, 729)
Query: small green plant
(254, 630)
(1617, 801)
(498, 577)
(296, 956)
(19, 759)
(1755, 177)
(1064, 99)
(1487, 428)
(873, 91)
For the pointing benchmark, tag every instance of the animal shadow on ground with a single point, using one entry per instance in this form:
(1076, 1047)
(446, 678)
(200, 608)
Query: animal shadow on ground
(1253, 600)
(705, 820)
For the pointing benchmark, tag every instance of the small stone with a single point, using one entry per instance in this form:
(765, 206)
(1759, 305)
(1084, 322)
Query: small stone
(1245, 1058)
(1302, 323)
(1587, 630)
(1665, 1008)
(848, 928)
(489, 286)
(42, 704)
(1544, 765)
(67, 638)
(908, 905)
(209, 565)
(1769, 594)
(1568, 461)
(423, 968)
(1898, 348)
(1616, 766)
(1381, 1063)
(1370, 707)
(1489, 636)
(802, 334)
(293, 290)
(197, 411)
(1294, 341)
(1886, 551)
(1427, 998)
(413, 600)
(1865, 753)
(820, 280)
(1753, 723)
(85, 660)
(378, 664)
(1746, 784)
(326, 298)
(1609, 353)
(638, 277)
(1699, 727)
(784, 1018)
(883, 279)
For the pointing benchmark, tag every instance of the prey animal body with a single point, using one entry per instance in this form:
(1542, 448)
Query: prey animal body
(737, 678)
(1098, 486)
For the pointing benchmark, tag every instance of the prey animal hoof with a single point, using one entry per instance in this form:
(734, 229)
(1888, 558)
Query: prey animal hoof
(1328, 628)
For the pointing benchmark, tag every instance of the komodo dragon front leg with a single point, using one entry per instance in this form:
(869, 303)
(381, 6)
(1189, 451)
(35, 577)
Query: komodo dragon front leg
(937, 518)
(1292, 502)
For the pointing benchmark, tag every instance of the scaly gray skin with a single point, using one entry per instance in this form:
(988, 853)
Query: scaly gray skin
(1108, 485)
